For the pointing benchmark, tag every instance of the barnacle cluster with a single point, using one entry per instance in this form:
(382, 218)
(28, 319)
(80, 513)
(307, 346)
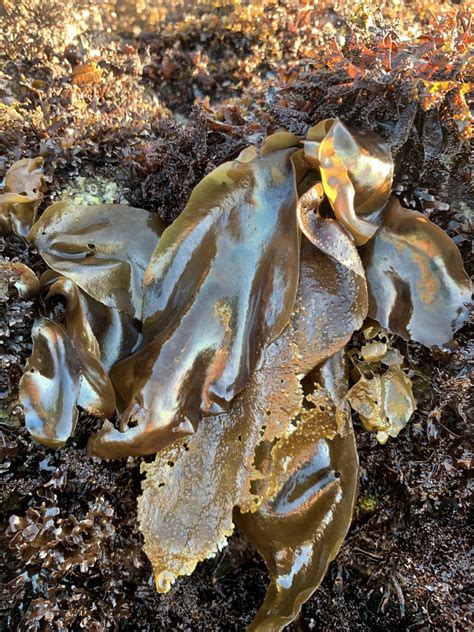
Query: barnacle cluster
(220, 342)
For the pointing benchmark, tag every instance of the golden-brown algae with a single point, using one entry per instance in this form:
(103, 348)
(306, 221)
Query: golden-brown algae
(219, 288)
(384, 402)
(22, 196)
(331, 304)
(94, 333)
(191, 488)
(356, 170)
(50, 386)
(327, 234)
(104, 248)
(418, 287)
(117, 334)
(97, 395)
(241, 315)
(185, 511)
(299, 529)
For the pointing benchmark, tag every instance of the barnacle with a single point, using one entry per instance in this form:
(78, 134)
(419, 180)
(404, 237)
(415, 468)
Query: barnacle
(22, 196)
(221, 341)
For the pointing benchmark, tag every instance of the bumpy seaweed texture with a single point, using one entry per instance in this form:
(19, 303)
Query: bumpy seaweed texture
(384, 402)
(215, 386)
(312, 484)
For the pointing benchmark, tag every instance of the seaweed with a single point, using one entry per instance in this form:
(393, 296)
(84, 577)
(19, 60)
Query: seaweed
(155, 164)
(205, 336)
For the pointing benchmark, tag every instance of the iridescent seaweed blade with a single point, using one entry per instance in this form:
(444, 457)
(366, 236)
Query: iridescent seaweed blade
(220, 287)
(418, 287)
(299, 529)
(116, 334)
(191, 488)
(356, 170)
(327, 234)
(332, 283)
(104, 248)
(97, 394)
(49, 388)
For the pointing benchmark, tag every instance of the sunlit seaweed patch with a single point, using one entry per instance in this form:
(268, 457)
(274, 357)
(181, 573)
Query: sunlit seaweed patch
(221, 344)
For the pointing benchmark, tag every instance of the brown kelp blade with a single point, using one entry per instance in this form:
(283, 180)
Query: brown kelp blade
(220, 287)
(22, 196)
(104, 248)
(327, 234)
(193, 485)
(418, 287)
(97, 395)
(109, 333)
(191, 488)
(356, 170)
(49, 388)
(332, 298)
(299, 529)
(331, 304)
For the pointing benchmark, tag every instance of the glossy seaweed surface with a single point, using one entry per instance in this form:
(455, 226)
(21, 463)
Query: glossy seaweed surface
(220, 344)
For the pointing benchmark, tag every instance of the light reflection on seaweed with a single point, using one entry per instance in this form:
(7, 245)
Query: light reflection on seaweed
(210, 328)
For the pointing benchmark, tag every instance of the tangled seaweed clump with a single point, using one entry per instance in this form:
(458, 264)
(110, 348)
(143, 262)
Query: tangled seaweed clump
(221, 342)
